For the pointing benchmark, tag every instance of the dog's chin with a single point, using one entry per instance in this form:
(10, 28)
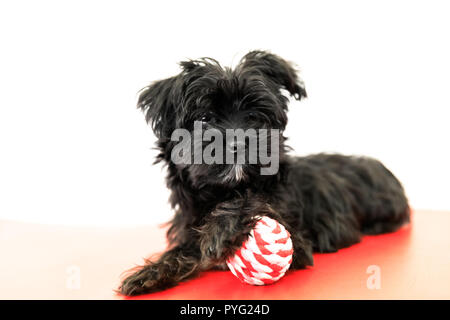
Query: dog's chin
(220, 175)
(234, 174)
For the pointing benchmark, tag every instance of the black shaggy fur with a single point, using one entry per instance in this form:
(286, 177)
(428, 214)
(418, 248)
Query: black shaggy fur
(326, 201)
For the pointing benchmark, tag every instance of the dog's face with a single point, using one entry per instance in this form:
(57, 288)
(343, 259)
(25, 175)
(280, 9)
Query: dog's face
(206, 96)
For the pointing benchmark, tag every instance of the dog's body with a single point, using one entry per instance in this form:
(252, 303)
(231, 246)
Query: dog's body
(325, 201)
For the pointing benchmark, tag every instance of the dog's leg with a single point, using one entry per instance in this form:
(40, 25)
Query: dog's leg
(229, 225)
(175, 265)
(218, 235)
(223, 232)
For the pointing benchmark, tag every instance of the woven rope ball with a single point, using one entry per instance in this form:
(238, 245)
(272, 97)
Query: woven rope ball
(266, 256)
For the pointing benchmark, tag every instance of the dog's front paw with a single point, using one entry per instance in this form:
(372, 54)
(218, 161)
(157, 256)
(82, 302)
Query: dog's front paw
(141, 282)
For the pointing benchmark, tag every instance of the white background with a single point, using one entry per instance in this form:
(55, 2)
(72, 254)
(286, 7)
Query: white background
(74, 150)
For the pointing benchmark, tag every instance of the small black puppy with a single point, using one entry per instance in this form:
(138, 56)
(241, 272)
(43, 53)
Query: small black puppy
(325, 201)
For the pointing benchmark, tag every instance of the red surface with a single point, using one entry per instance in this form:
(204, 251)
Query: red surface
(414, 263)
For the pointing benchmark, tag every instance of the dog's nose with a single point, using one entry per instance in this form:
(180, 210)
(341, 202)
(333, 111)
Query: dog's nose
(235, 146)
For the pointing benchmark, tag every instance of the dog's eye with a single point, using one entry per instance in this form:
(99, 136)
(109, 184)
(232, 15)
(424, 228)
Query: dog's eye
(206, 117)
(251, 115)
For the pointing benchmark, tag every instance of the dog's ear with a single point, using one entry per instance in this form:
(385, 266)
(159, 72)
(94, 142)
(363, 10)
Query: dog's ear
(161, 100)
(157, 101)
(278, 70)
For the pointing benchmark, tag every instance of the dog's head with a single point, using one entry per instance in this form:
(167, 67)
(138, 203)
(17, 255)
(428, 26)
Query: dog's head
(211, 103)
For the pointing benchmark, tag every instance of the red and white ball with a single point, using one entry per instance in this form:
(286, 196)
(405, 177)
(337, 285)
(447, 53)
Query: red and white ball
(266, 256)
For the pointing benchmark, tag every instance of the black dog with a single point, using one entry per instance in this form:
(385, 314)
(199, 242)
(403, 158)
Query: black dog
(325, 201)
